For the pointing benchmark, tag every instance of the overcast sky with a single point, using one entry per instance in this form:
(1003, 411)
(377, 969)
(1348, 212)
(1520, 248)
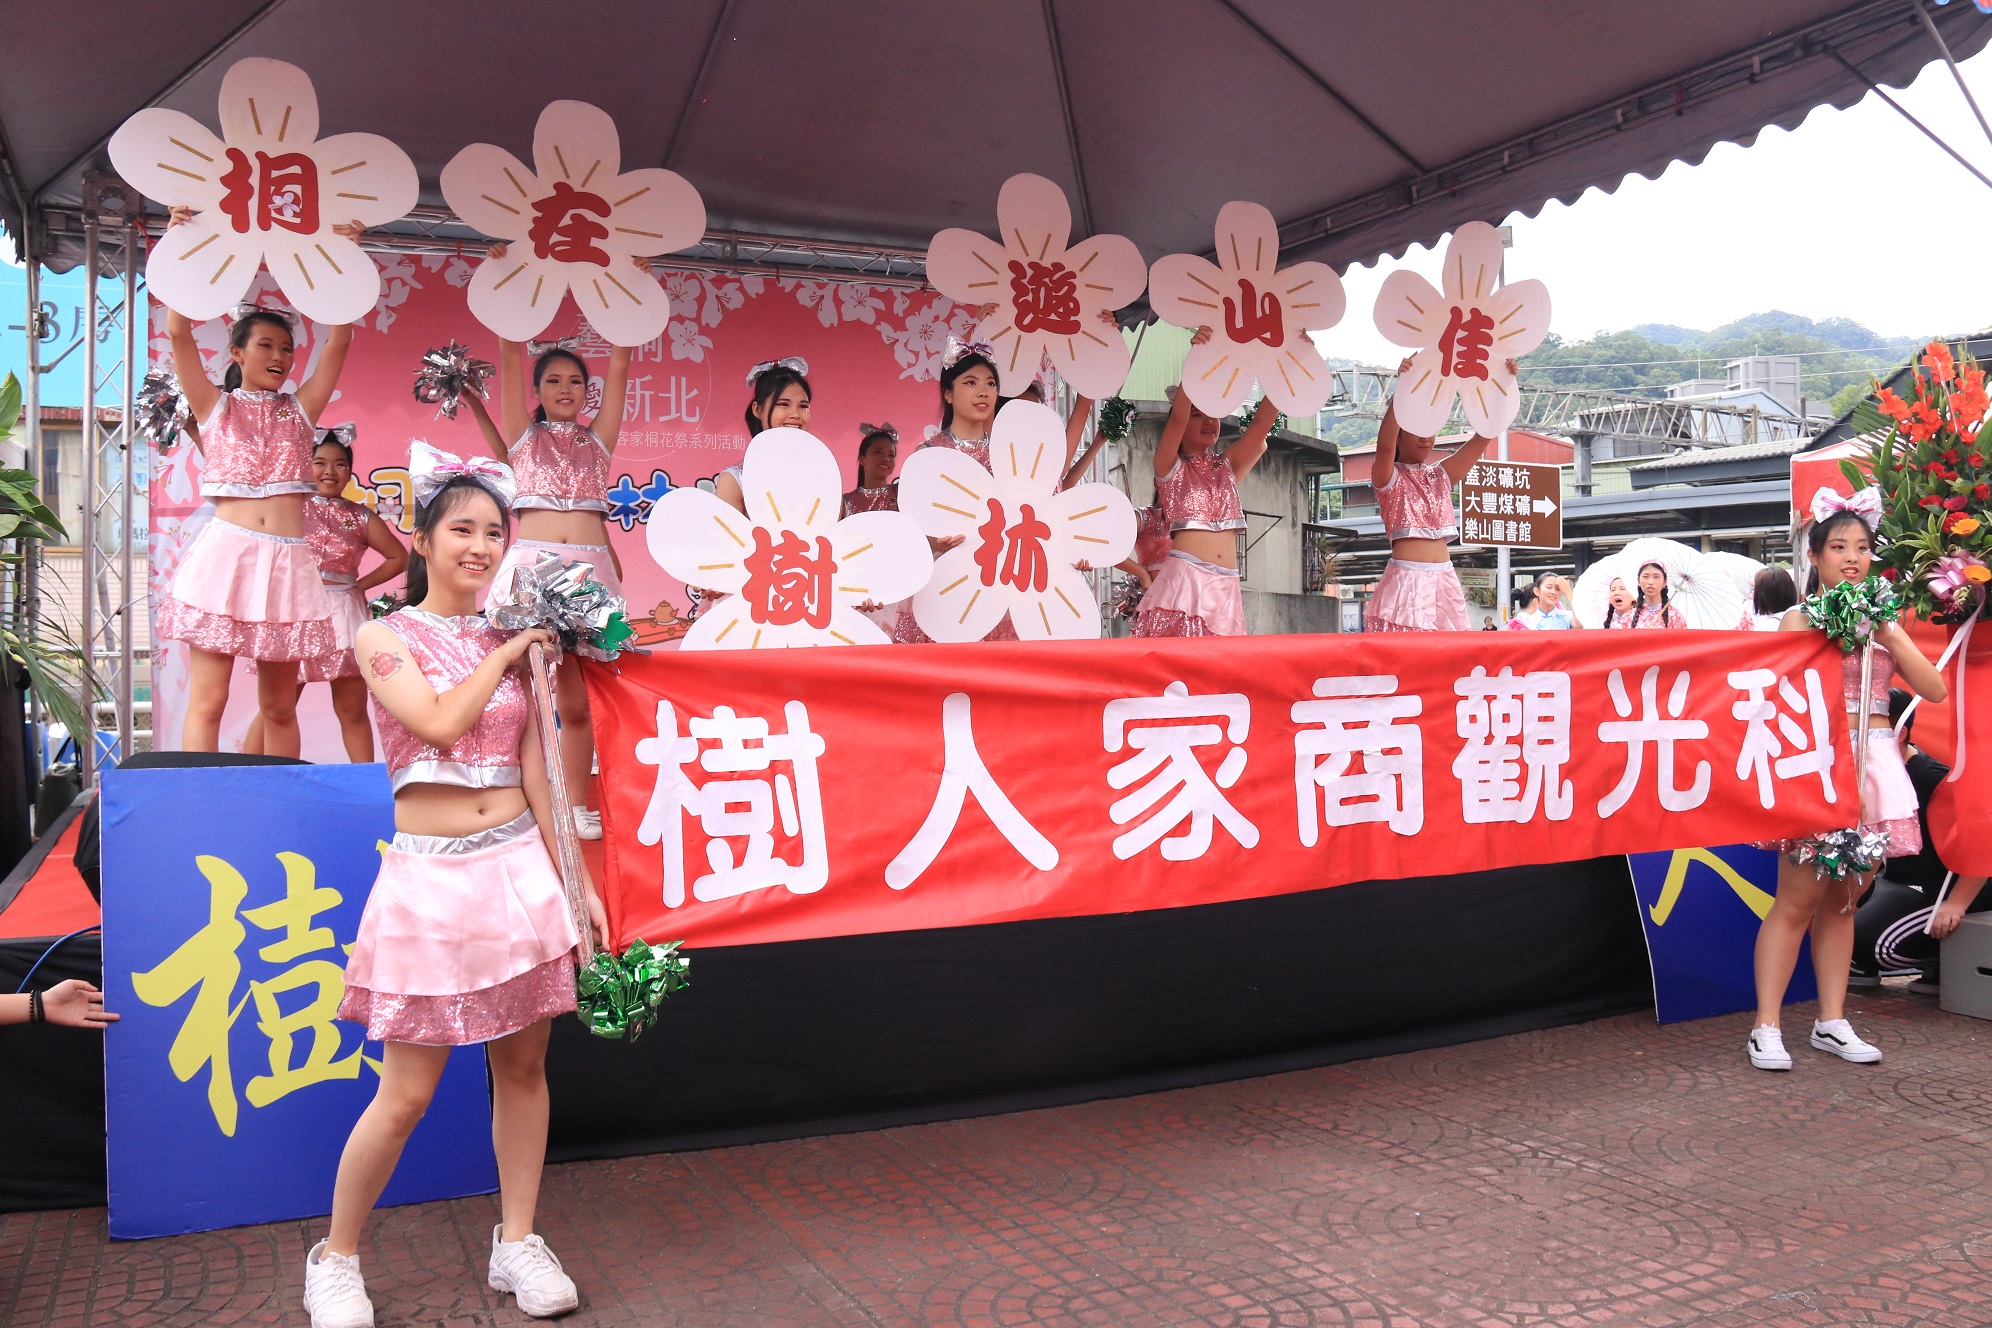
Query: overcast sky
(1853, 214)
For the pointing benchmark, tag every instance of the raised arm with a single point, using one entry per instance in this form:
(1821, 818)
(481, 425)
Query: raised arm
(512, 390)
(393, 554)
(437, 718)
(200, 392)
(1476, 447)
(1244, 454)
(1384, 464)
(316, 394)
(1170, 445)
(489, 427)
(1075, 429)
(615, 390)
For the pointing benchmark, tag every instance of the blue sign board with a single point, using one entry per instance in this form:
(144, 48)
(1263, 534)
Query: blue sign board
(1700, 908)
(231, 896)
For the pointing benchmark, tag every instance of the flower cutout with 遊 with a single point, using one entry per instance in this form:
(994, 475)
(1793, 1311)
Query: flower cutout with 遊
(1464, 335)
(1048, 297)
(792, 573)
(269, 191)
(1020, 538)
(1259, 315)
(573, 222)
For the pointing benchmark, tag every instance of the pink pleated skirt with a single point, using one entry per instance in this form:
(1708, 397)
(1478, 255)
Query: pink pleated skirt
(1891, 799)
(463, 939)
(525, 552)
(250, 594)
(349, 614)
(1192, 597)
(1417, 597)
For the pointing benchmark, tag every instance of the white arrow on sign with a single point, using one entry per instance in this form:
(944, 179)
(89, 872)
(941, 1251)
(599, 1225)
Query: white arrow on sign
(1543, 507)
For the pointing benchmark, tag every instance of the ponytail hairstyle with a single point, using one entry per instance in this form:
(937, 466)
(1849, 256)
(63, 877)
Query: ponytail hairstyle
(769, 384)
(973, 359)
(238, 336)
(1666, 591)
(1524, 598)
(1819, 532)
(540, 367)
(450, 498)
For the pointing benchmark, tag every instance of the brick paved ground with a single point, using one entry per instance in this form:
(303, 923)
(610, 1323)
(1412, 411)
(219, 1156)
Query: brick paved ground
(1613, 1173)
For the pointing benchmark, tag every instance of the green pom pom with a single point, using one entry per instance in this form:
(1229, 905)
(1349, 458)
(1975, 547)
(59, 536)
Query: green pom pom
(620, 996)
(1853, 611)
(1116, 419)
(615, 632)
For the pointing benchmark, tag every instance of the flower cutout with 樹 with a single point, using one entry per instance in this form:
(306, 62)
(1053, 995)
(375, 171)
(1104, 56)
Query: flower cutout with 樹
(269, 191)
(1048, 297)
(1259, 315)
(1020, 538)
(574, 223)
(1464, 335)
(792, 573)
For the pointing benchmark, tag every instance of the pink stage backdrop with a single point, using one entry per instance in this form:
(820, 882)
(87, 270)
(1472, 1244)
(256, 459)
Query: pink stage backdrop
(873, 352)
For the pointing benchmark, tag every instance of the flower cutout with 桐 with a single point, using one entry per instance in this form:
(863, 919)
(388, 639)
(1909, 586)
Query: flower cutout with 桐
(1259, 315)
(792, 573)
(1048, 297)
(1464, 335)
(1020, 538)
(573, 223)
(269, 191)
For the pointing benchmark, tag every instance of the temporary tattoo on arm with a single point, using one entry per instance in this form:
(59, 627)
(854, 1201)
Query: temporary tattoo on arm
(385, 664)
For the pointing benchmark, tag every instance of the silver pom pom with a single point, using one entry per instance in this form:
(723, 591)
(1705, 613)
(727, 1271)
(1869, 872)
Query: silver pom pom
(162, 409)
(445, 374)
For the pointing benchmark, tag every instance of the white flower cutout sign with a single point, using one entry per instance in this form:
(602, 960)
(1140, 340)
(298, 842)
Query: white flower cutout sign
(268, 190)
(1259, 315)
(573, 223)
(1464, 335)
(793, 573)
(1019, 538)
(1048, 297)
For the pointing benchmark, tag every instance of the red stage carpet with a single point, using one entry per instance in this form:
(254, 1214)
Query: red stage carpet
(54, 902)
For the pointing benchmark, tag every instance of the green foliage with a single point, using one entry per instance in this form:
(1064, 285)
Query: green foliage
(54, 662)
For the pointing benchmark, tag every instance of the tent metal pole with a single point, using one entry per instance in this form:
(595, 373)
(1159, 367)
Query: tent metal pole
(1065, 114)
(697, 91)
(1957, 75)
(31, 408)
(1904, 112)
(86, 741)
(128, 597)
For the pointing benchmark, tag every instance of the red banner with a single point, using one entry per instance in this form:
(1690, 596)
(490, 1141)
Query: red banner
(774, 795)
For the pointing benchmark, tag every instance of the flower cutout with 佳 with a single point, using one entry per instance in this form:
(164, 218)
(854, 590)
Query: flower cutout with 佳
(792, 573)
(1464, 335)
(573, 223)
(1048, 297)
(269, 190)
(1019, 538)
(1259, 315)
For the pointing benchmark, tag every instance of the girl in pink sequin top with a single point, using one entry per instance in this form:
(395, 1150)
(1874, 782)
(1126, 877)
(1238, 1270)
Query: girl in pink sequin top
(1808, 902)
(1197, 591)
(877, 491)
(247, 586)
(467, 936)
(1419, 591)
(780, 400)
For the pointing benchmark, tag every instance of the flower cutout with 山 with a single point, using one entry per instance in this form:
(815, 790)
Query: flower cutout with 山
(791, 572)
(1020, 536)
(269, 191)
(1464, 335)
(573, 223)
(1258, 313)
(1048, 297)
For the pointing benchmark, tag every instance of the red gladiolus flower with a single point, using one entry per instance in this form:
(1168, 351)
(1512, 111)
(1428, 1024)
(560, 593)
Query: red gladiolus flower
(1894, 407)
(1937, 359)
(1923, 423)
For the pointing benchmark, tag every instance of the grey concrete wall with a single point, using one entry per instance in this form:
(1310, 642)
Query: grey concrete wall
(1268, 614)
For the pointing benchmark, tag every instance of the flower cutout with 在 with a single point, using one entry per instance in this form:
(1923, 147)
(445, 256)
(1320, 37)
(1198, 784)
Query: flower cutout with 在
(1020, 537)
(1259, 315)
(269, 191)
(1048, 297)
(1464, 335)
(792, 573)
(572, 223)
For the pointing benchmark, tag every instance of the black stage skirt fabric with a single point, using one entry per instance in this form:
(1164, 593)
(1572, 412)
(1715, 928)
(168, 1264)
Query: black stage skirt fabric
(811, 1037)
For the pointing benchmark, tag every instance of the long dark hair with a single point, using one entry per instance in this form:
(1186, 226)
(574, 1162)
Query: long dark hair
(1613, 617)
(444, 501)
(1666, 592)
(1773, 592)
(238, 337)
(770, 385)
(540, 366)
(1815, 542)
(948, 377)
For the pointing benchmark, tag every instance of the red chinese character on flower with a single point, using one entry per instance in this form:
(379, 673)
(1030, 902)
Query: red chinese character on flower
(785, 585)
(1463, 347)
(564, 231)
(280, 191)
(1254, 317)
(1013, 555)
(1046, 297)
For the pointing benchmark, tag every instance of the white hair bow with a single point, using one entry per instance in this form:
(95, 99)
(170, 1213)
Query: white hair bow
(430, 468)
(794, 363)
(1866, 505)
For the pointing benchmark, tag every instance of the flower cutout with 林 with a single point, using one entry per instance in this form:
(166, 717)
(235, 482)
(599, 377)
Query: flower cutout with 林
(1464, 335)
(1048, 297)
(792, 573)
(572, 222)
(269, 191)
(1258, 313)
(1020, 537)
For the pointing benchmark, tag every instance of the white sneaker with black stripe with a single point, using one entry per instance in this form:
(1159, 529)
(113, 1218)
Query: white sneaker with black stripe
(1767, 1048)
(1840, 1038)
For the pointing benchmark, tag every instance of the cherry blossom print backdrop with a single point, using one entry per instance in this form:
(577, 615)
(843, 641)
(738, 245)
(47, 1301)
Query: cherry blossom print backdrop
(873, 352)
(896, 788)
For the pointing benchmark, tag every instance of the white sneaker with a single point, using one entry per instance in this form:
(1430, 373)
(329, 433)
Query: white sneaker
(1840, 1038)
(530, 1271)
(334, 1295)
(587, 824)
(1767, 1048)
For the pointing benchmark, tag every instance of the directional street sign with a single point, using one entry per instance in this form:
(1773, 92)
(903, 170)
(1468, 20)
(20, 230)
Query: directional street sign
(1516, 503)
